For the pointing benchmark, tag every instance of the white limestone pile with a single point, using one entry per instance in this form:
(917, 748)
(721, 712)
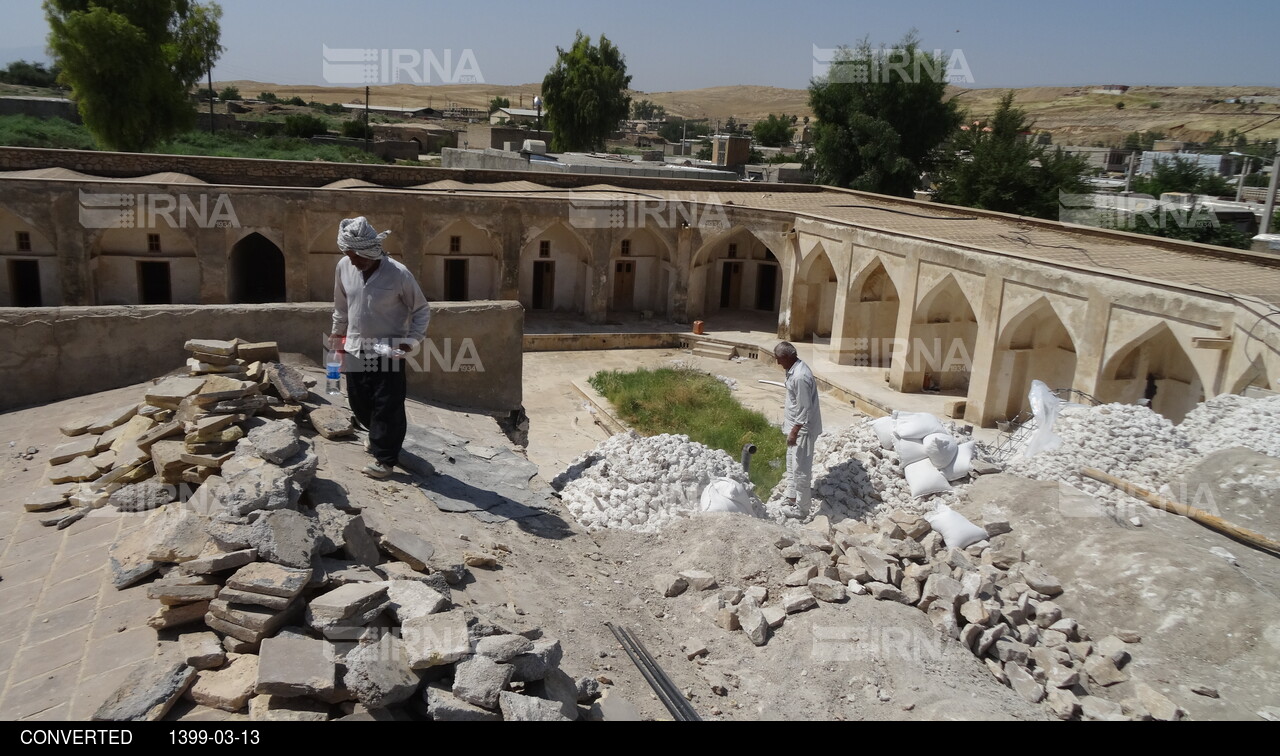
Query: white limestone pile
(1125, 440)
(642, 483)
(1231, 420)
(854, 477)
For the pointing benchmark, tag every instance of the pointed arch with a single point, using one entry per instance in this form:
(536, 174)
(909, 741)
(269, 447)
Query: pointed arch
(255, 271)
(870, 318)
(734, 270)
(641, 272)
(1156, 368)
(460, 263)
(813, 296)
(1035, 345)
(555, 269)
(28, 264)
(944, 334)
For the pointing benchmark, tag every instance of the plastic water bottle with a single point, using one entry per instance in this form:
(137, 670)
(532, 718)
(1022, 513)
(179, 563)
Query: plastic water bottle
(333, 372)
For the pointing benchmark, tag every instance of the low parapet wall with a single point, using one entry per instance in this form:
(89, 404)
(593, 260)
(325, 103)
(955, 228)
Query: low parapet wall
(472, 358)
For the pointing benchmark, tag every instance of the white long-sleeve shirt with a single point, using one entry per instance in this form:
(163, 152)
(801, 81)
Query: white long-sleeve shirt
(801, 406)
(389, 307)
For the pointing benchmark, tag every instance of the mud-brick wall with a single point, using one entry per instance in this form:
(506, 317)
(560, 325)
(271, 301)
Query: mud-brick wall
(472, 359)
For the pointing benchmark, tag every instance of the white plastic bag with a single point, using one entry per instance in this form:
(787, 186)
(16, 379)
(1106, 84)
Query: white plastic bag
(915, 425)
(962, 464)
(1045, 407)
(924, 479)
(941, 448)
(726, 495)
(884, 431)
(956, 531)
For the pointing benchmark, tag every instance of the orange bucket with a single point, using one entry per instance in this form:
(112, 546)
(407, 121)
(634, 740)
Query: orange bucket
(697, 327)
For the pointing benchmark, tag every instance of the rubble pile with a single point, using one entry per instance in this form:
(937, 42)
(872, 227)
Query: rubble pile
(285, 602)
(855, 476)
(1231, 420)
(140, 456)
(1125, 440)
(642, 483)
(988, 597)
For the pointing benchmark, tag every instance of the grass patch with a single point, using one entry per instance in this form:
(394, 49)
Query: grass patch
(59, 133)
(697, 405)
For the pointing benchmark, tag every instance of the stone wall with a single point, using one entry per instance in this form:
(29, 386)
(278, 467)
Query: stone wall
(299, 173)
(473, 357)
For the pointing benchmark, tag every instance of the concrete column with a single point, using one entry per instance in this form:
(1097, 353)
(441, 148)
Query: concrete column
(681, 289)
(600, 241)
(212, 249)
(900, 379)
(1092, 344)
(985, 375)
(294, 247)
(844, 274)
(72, 242)
(789, 262)
(510, 235)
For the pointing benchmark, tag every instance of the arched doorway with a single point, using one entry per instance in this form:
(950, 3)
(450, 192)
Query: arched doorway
(870, 319)
(460, 264)
(734, 271)
(554, 271)
(1154, 368)
(1035, 346)
(256, 271)
(640, 273)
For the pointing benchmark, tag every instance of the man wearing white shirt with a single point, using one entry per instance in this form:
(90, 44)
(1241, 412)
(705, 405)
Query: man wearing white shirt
(376, 302)
(802, 422)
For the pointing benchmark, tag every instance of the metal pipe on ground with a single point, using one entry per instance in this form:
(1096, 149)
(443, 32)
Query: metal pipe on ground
(747, 451)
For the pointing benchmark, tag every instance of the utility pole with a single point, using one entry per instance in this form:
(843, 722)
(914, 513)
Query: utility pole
(366, 119)
(211, 95)
(1128, 175)
(1270, 209)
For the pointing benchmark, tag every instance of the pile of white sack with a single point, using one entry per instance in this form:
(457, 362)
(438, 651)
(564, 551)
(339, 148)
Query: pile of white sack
(930, 456)
(856, 474)
(643, 483)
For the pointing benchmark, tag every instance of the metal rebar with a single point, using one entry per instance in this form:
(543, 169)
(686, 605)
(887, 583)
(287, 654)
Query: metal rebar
(653, 674)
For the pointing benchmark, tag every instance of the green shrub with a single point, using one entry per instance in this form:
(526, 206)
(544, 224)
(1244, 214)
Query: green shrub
(305, 125)
(356, 129)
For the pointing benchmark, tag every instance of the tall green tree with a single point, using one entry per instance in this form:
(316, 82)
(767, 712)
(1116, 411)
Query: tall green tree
(994, 165)
(585, 94)
(879, 121)
(498, 103)
(774, 131)
(131, 63)
(1179, 174)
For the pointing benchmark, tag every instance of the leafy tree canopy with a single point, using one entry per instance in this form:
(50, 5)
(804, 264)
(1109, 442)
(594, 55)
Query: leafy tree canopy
(585, 94)
(774, 131)
(131, 63)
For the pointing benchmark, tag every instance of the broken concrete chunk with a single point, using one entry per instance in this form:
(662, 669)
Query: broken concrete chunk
(408, 548)
(436, 639)
(1041, 581)
(202, 650)
(211, 346)
(1103, 671)
(479, 680)
(142, 497)
(379, 675)
(775, 616)
(332, 422)
(81, 446)
(699, 580)
(178, 615)
(270, 579)
(798, 600)
(228, 688)
(288, 382)
(503, 648)
(411, 598)
(828, 590)
(259, 351)
(184, 590)
(520, 708)
(78, 470)
(535, 665)
(346, 601)
(669, 585)
(276, 441)
(148, 693)
(443, 706)
(1102, 710)
(76, 427)
(693, 648)
(1063, 703)
(285, 537)
(113, 418)
(801, 576)
(1023, 683)
(296, 667)
(48, 497)
(178, 534)
(752, 621)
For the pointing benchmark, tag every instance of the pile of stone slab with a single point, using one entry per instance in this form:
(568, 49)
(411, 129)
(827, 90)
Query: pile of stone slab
(141, 455)
(987, 597)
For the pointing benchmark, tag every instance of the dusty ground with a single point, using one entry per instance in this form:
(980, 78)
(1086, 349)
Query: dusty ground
(1203, 620)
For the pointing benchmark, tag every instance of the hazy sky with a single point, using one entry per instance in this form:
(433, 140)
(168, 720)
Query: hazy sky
(702, 43)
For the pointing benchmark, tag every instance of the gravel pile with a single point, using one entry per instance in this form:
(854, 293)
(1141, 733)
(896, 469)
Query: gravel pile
(642, 483)
(1230, 420)
(1125, 440)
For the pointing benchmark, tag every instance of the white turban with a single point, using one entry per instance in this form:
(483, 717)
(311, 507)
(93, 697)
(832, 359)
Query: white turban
(356, 235)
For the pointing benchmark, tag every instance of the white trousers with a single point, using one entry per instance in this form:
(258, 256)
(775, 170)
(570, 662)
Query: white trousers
(800, 470)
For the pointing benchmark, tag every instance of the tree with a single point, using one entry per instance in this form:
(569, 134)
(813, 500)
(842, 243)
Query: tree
(228, 94)
(645, 110)
(774, 131)
(131, 63)
(268, 97)
(1178, 174)
(676, 129)
(25, 74)
(994, 165)
(879, 122)
(585, 94)
(497, 103)
(305, 125)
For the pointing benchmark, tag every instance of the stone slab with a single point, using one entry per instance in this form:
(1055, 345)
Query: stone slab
(148, 693)
(296, 667)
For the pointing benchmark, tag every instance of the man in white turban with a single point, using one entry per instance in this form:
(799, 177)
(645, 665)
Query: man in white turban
(378, 307)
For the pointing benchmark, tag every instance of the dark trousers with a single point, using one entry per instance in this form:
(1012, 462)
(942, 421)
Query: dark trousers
(377, 399)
